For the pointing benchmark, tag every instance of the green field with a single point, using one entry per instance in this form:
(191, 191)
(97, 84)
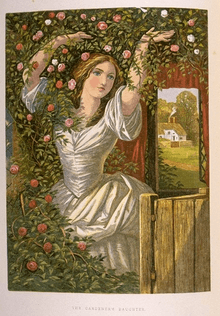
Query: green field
(186, 156)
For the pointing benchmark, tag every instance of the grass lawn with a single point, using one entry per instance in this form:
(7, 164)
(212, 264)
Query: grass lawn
(187, 155)
(189, 179)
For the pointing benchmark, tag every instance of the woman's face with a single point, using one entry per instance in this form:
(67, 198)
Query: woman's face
(101, 80)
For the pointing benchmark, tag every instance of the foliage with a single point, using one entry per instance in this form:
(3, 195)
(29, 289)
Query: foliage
(65, 268)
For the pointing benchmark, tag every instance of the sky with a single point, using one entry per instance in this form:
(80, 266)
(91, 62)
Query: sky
(170, 94)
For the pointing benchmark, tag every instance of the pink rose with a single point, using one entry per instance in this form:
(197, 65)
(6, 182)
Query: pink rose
(50, 68)
(29, 117)
(39, 34)
(85, 56)
(93, 18)
(14, 169)
(32, 204)
(19, 46)
(22, 231)
(32, 266)
(59, 84)
(117, 18)
(61, 67)
(126, 54)
(191, 22)
(83, 16)
(107, 48)
(20, 66)
(50, 108)
(102, 25)
(48, 247)
(34, 183)
(69, 122)
(42, 228)
(174, 48)
(47, 138)
(72, 84)
(60, 16)
(51, 15)
(48, 198)
(81, 245)
(24, 27)
(65, 51)
(35, 65)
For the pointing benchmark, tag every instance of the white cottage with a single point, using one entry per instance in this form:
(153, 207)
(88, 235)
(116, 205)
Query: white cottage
(171, 130)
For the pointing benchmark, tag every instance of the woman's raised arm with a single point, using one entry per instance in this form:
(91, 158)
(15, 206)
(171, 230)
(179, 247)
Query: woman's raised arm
(130, 98)
(32, 77)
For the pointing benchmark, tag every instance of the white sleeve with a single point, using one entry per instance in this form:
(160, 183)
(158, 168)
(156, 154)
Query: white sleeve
(29, 97)
(125, 127)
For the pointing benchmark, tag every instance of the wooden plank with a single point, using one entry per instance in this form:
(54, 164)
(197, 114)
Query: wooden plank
(184, 245)
(164, 247)
(187, 197)
(202, 246)
(146, 241)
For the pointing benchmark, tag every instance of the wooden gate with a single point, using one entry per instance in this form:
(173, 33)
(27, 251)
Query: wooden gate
(175, 244)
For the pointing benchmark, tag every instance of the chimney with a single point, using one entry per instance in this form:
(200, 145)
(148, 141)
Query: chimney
(172, 119)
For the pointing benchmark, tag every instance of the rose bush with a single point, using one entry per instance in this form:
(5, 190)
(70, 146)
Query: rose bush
(117, 18)
(47, 138)
(48, 247)
(69, 122)
(32, 266)
(59, 84)
(61, 67)
(22, 231)
(34, 183)
(42, 228)
(85, 56)
(60, 16)
(14, 169)
(126, 54)
(50, 108)
(20, 66)
(102, 26)
(72, 84)
(32, 204)
(48, 198)
(81, 245)
(174, 48)
(29, 117)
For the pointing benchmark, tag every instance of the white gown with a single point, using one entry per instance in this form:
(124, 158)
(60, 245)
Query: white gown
(103, 206)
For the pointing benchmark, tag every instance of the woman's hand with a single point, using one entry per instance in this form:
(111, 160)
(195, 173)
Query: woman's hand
(159, 36)
(72, 38)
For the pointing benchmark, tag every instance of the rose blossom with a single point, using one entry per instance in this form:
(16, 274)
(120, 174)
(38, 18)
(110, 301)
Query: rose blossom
(19, 46)
(14, 169)
(93, 18)
(50, 108)
(32, 204)
(48, 247)
(107, 48)
(50, 68)
(69, 122)
(72, 84)
(85, 56)
(35, 65)
(29, 117)
(32, 266)
(42, 228)
(117, 18)
(48, 22)
(22, 231)
(61, 67)
(102, 25)
(81, 245)
(24, 27)
(126, 54)
(48, 198)
(34, 183)
(191, 38)
(65, 51)
(191, 22)
(55, 62)
(196, 51)
(164, 13)
(47, 138)
(59, 84)
(51, 15)
(83, 16)
(60, 16)
(174, 48)
(20, 66)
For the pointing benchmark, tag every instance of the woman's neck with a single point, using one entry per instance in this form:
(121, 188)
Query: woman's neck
(88, 105)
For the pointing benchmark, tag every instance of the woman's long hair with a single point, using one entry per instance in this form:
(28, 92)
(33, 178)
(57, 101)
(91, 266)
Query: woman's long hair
(83, 71)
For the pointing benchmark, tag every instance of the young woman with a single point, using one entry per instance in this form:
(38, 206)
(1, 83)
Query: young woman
(105, 207)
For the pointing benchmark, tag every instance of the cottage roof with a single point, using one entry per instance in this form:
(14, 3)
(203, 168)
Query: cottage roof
(171, 126)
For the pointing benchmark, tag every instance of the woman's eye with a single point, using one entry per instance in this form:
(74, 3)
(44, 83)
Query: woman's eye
(96, 73)
(111, 77)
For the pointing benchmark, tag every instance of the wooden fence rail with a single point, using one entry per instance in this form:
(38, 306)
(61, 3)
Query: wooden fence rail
(174, 244)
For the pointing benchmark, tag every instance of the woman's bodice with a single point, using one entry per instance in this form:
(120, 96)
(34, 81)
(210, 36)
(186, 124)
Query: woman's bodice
(84, 154)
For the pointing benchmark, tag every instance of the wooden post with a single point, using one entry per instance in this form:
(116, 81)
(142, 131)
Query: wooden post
(146, 241)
